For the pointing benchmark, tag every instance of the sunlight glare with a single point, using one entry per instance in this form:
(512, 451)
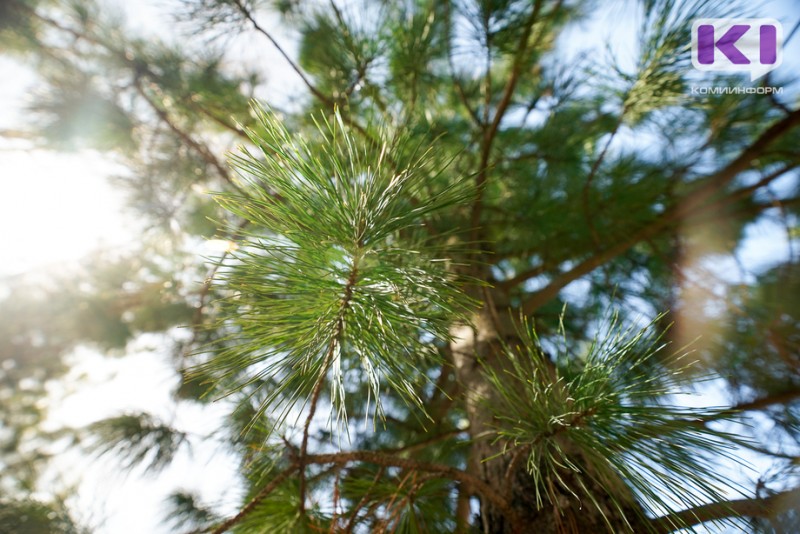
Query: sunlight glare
(57, 207)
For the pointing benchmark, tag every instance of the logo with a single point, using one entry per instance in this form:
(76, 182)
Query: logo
(737, 45)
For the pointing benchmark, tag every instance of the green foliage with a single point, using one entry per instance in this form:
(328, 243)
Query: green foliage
(32, 517)
(280, 513)
(17, 28)
(344, 277)
(609, 409)
(185, 511)
(343, 62)
(767, 365)
(413, 503)
(103, 304)
(665, 54)
(137, 439)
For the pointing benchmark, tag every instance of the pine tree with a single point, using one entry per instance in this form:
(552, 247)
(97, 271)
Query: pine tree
(464, 278)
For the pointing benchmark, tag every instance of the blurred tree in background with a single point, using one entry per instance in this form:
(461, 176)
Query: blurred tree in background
(412, 328)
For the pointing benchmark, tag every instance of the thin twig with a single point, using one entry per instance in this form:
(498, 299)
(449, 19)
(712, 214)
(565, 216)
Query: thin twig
(364, 498)
(336, 500)
(521, 277)
(516, 459)
(295, 67)
(335, 341)
(587, 186)
(762, 403)
(389, 505)
(311, 410)
(260, 496)
(491, 129)
(709, 213)
(425, 442)
(201, 149)
(456, 79)
(486, 491)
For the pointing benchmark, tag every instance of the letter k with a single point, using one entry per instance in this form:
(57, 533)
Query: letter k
(726, 44)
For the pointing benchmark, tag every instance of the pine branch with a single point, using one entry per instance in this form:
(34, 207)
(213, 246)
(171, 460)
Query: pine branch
(576, 419)
(744, 192)
(508, 91)
(754, 405)
(325, 99)
(201, 150)
(766, 402)
(764, 507)
(139, 68)
(716, 182)
(260, 496)
(335, 342)
(692, 202)
(205, 291)
(587, 186)
(490, 130)
(445, 471)
(351, 523)
(395, 507)
(137, 438)
(348, 37)
(436, 438)
(747, 210)
(348, 207)
(700, 216)
(766, 452)
(456, 79)
(295, 67)
(520, 277)
(762, 403)
(231, 127)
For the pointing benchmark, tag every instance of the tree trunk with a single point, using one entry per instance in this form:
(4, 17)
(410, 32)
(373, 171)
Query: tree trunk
(483, 342)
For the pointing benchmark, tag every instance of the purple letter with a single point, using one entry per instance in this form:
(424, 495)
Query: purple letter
(726, 44)
(705, 44)
(768, 45)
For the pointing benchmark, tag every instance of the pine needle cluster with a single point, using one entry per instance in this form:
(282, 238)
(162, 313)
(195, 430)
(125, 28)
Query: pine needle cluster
(608, 419)
(337, 284)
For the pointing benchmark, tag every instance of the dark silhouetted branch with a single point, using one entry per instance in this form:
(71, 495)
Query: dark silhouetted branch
(693, 201)
(445, 471)
(765, 507)
(260, 496)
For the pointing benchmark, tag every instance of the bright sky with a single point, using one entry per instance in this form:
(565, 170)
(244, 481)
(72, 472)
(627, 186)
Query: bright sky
(99, 386)
(54, 207)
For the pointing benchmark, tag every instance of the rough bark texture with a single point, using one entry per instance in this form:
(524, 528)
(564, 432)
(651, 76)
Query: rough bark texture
(481, 342)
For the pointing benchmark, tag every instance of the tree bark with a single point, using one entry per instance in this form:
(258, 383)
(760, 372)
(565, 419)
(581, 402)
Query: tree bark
(481, 344)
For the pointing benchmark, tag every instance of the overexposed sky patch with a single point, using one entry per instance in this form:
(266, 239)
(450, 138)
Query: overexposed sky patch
(109, 498)
(56, 208)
